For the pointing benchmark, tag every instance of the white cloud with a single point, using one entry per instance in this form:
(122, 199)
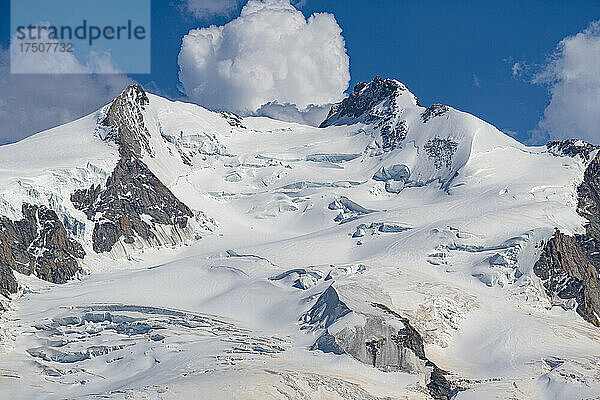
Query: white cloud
(204, 9)
(573, 77)
(32, 103)
(49, 60)
(517, 69)
(312, 115)
(476, 81)
(269, 53)
(99, 62)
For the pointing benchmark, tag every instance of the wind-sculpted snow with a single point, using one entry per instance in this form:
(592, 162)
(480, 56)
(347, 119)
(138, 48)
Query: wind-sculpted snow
(381, 338)
(394, 176)
(348, 210)
(83, 345)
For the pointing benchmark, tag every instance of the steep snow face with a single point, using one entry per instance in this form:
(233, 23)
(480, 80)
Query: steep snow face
(135, 209)
(57, 168)
(184, 137)
(46, 168)
(425, 222)
(433, 143)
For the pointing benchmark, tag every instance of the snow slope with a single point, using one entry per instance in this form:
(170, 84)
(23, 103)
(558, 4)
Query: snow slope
(447, 239)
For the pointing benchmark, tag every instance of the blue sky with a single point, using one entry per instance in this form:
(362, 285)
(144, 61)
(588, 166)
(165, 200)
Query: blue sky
(437, 47)
(458, 53)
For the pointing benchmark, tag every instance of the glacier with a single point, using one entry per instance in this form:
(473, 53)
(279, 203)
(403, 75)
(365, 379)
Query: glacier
(389, 254)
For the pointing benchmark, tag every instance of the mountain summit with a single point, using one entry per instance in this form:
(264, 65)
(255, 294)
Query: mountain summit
(379, 102)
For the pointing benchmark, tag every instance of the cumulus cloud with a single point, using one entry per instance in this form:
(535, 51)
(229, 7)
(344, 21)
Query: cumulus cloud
(30, 103)
(204, 9)
(573, 78)
(271, 52)
(312, 115)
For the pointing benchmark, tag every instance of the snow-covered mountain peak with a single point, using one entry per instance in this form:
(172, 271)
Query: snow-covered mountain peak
(370, 101)
(333, 256)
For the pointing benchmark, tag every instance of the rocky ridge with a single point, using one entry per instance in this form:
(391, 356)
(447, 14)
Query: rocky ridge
(569, 266)
(134, 207)
(132, 204)
(37, 245)
(376, 103)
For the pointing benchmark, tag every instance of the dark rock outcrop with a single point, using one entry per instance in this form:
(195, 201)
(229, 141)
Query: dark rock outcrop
(125, 118)
(132, 202)
(362, 101)
(571, 148)
(567, 274)
(8, 283)
(434, 110)
(234, 120)
(569, 266)
(441, 150)
(384, 340)
(328, 309)
(38, 244)
(375, 103)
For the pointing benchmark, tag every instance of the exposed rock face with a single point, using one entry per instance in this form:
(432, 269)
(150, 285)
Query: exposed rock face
(381, 338)
(434, 110)
(8, 283)
(328, 309)
(568, 274)
(441, 150)
(571, 148)
(38, 244)
(588, 206)
(134, 205)
(125, 118)
(569, 265)
(234, 120)
(133, 201)
(374, 102)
